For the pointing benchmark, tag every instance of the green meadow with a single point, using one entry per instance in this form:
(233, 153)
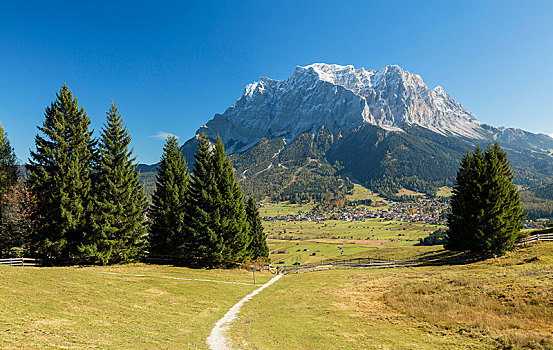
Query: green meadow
(505, 303)
(84, 308)
(362, 193)
(316, 241)
(295, 251)
(368, 229)
(283, 208)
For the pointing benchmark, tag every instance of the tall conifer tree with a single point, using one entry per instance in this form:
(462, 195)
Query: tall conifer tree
(503, 218)
(120, 204)
(8, 180)
(60, 178)
(232, 226)
(485, 206)
(203, 216)
(466, 202)
(257, 247)
(167, 232)
(8, 167)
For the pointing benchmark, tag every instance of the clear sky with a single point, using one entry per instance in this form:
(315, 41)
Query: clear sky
(171, 65)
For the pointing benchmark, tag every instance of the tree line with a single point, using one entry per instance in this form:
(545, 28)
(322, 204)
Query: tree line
(83, 203)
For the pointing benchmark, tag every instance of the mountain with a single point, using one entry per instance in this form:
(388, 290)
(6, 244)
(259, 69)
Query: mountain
(327, 125)
(341, 98)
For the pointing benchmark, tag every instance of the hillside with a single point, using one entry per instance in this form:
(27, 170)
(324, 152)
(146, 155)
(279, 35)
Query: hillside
(298, 172)
(385, 161)
(321, 166)
(538, 201)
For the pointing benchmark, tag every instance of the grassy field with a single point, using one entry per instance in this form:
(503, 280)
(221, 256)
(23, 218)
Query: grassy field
(81, 308)
(368, 229)
(361, 193)
(444, 191)
(504, 303)
(406, 192)
(302, 251)
(279, 209)
(296, 251)
(330, 239)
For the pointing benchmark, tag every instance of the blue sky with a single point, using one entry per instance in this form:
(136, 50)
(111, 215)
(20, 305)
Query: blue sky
(171, 65)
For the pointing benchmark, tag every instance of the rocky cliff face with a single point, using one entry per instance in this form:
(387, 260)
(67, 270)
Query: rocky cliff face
(341, 98)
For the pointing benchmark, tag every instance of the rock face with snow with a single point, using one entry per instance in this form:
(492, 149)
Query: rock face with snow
(326, 125)
(341, 98)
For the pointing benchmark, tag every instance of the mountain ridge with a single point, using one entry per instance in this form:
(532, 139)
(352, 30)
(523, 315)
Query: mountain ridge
(328, 125)
(341, 98)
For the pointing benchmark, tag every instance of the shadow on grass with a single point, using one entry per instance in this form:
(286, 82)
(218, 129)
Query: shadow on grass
(448, 257)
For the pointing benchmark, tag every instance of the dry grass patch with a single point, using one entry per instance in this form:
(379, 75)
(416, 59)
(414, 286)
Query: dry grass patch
(508, 299)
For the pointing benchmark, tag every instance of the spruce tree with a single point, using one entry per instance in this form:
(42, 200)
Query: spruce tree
(257, 247)
(485, 206)
(8, 180)
(8, 167)
(120, 203)
(167, 214)
(203, 217)
(503, 214)
(466, 202)
(232, 226)
(60, 178)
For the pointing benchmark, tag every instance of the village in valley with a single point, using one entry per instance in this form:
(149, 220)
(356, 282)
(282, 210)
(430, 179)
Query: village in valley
(429, 212)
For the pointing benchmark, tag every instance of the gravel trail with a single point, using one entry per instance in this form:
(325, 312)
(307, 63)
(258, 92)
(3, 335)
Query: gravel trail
(217, 339)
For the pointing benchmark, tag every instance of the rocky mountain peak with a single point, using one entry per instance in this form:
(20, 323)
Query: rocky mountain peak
(341, 98)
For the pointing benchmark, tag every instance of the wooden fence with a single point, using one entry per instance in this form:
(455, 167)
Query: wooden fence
(370, 263)
(20, 262)
(547, 237)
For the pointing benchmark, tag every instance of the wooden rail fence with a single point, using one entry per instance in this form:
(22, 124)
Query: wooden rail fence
(370, 263)
(20, 262)
(547, 237)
